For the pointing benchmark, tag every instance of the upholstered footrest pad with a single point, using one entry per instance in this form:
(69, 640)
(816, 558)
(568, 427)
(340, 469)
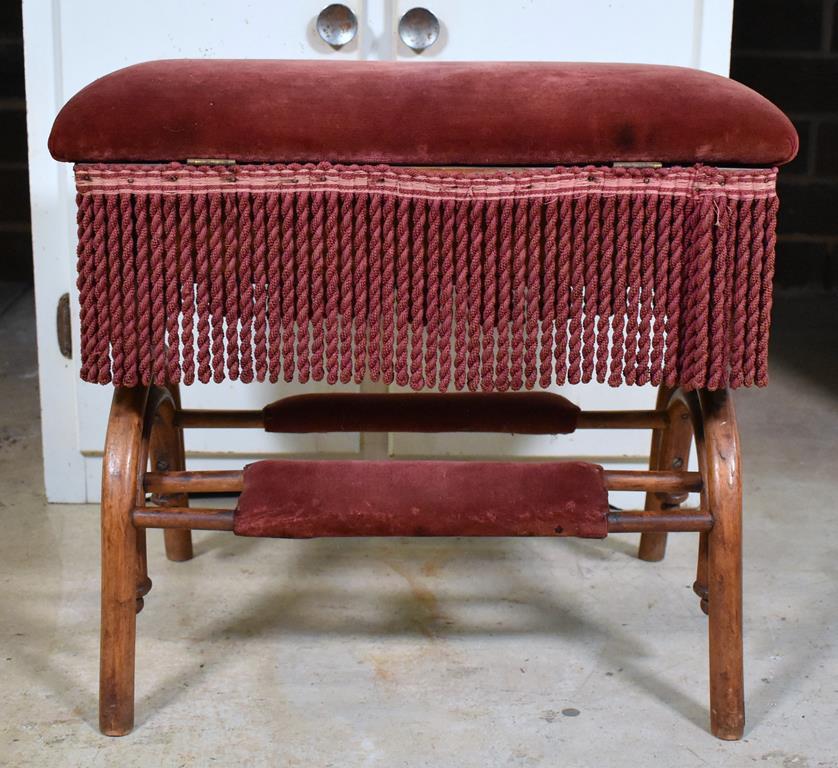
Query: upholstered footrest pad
(306, 499)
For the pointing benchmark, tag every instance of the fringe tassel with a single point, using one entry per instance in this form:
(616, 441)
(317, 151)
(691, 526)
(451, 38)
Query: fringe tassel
(465, 281)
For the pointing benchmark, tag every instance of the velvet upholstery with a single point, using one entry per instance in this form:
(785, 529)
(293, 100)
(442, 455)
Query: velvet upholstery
(305, 499)
(435, 114)
(526, 413)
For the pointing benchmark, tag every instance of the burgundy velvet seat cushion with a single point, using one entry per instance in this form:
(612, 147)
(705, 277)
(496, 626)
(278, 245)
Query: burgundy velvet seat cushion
(429, 114)
(306, 499)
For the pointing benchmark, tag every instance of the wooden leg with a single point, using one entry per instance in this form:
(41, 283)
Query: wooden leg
(700, 584)
(670, 450)
(178, 541)
(653, 545)
(723, 494)
(166, 453)
(143, 581)
(120, 562)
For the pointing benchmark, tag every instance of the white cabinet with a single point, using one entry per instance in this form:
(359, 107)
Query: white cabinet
(688, 33)
(71, 42)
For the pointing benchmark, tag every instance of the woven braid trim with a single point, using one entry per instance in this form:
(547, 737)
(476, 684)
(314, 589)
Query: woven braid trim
(482, 280)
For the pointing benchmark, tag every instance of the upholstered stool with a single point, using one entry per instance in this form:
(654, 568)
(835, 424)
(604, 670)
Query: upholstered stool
(537, 224)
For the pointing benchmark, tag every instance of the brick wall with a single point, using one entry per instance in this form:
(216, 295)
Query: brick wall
(15, 239)
(788, 51)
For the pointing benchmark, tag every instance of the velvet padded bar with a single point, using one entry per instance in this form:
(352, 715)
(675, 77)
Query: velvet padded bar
(525, 413)
(306, 499)
(440, 113)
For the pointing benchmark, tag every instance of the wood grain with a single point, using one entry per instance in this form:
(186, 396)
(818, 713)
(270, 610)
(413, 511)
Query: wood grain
(120, 563)
(670, 450)
(166, 453)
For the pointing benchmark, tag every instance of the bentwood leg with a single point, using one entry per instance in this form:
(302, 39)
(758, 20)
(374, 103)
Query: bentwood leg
(723, 493)
(700, 584)
(120, 561)
(143, 581)
(166, 454)
(670, 450)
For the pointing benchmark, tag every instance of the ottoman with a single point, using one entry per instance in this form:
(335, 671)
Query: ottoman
(535, 224)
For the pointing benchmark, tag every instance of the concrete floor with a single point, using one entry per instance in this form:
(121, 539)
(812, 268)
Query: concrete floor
(434, 652)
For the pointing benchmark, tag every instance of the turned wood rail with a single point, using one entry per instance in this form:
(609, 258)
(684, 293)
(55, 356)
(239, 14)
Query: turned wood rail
(530, 413)
(660, 485)
(231, 481)
(684, 520)
(241, 419)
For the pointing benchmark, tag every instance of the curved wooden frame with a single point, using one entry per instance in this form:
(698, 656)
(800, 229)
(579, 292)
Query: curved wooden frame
(141, 426)
(122, 564)
(166, 454)
(147, 422)
(719, 459)
(719, 570)
(670, 450)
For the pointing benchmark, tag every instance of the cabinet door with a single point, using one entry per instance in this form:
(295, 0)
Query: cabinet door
(691, 33)
(688, 33)
(68, 44)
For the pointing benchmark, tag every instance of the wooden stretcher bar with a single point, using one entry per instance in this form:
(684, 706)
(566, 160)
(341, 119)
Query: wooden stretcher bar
(230, 481)
(619, 521)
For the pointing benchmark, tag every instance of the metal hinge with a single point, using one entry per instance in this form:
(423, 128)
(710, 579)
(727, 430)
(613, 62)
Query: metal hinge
(209, 161)
(636, 164)
(63, 327)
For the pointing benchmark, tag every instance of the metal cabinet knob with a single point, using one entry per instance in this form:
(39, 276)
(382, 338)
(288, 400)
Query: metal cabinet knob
(419, 29)
(337, 25)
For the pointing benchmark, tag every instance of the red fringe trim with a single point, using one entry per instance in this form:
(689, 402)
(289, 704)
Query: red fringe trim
(480, 281)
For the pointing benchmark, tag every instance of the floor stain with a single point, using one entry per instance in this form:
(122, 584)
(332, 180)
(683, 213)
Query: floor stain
(390, 667)
(380, 668)
(429, 614)
(788, 760)
(434, 564)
